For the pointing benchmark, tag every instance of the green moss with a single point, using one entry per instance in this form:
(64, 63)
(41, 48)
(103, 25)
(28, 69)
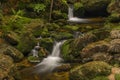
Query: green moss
(117, 76)
(90, 70)
(100, 78)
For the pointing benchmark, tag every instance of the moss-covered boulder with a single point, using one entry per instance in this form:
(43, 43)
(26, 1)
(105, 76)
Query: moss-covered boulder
(91, 49)
(89, 71)
(47, 43)
(6, 65)
(13, 52)
(26, 42)
(114, 46)
(12, 38)
(71, 48)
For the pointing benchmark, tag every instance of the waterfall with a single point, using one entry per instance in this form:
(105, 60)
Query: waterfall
(70, 11)
(71, 17)
(49, 63)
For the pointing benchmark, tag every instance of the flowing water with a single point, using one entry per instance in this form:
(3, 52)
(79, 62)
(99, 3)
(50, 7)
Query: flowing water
(51, 62)
(47, 65)
(71, 17)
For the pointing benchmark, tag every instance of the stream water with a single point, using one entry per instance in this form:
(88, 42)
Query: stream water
(43, 70)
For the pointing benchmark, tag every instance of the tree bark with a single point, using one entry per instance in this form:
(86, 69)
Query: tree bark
(51, 8)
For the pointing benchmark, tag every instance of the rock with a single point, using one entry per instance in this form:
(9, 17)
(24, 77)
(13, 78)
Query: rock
(11, 51)
(101, 56)
(95, 7)
(71, 52)
(36, 27)
(115, 34)
(14, 53)
(90, 70)
(6, 64)
(62, 35)
(93, 48)
(114, 10)
(26, 43)
(47, 43)
(12, 38)
(114, 46)
(63, 67)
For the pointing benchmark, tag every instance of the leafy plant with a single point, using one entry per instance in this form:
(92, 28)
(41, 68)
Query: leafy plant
(39, 7)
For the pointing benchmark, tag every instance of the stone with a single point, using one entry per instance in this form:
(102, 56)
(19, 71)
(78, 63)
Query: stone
(90, 70)
(93, 48)
(115, 34)
(6, 64)
(114, 46)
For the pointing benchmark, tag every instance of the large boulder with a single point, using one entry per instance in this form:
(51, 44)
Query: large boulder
(90, 70)
(70, 52)
(11, 51)
(6, 64)
(91, 49)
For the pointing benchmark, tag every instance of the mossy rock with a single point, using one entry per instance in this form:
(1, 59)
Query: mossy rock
(58, 15)
(71, 48)
(26, 43)
(90, 70)
(79, 9)
(93, 48)
(7, 64)
(52, 26)
(47, 43)
(62, 35)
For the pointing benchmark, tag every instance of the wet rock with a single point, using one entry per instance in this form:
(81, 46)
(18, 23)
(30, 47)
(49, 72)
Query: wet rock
(90, 70)
(6, 64)
(91, 49)
(63, 67)
(115, 34)
(12, 38)
(114, 46)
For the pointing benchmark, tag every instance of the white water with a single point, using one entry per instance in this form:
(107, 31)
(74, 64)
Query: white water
(34, 51)
(51, 62)
(71, 17)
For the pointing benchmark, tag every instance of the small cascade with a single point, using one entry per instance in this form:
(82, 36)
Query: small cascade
(34, 51)
(49, 63)
(71, 17)
(70, 11)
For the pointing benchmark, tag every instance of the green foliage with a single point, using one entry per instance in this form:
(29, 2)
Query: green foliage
(117, 76)
(100, 78)
(78, 5)
(64, 1)
(38, 7)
